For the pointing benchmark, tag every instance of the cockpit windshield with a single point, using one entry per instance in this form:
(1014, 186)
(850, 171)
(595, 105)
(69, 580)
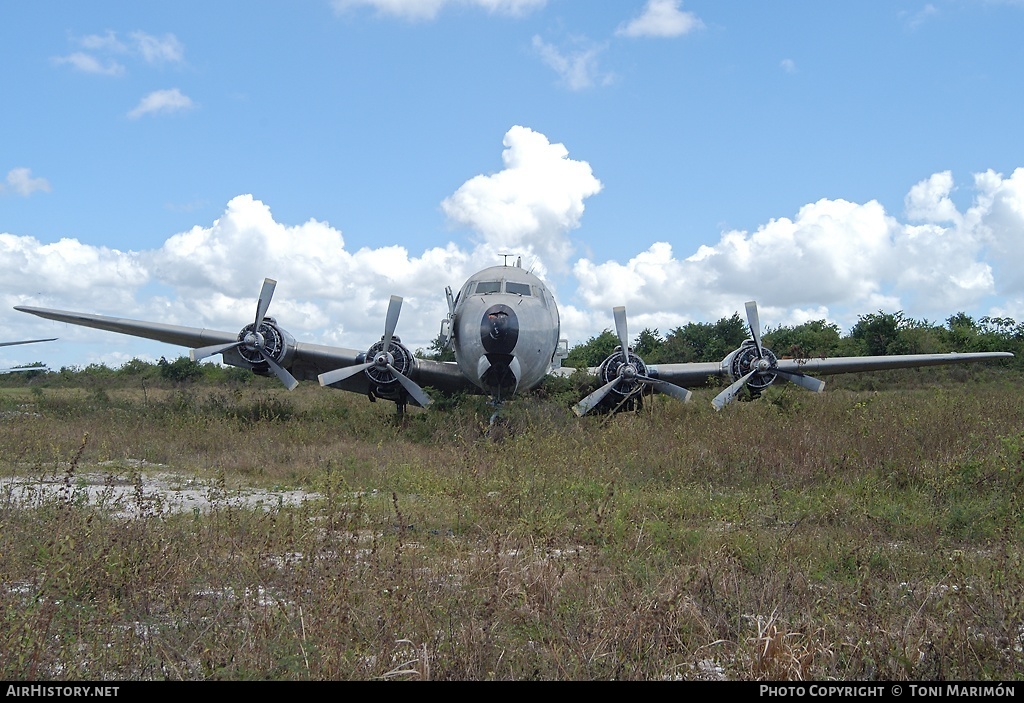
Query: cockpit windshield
(512, 287)
(488, 287)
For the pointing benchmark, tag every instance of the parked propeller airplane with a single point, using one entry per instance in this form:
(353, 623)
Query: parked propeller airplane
(24, 341)
(503, 326)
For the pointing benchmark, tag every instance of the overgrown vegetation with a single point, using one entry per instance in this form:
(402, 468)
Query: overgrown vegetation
(870, 532)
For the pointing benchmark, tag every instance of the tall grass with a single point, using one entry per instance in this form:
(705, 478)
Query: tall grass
(850, 535)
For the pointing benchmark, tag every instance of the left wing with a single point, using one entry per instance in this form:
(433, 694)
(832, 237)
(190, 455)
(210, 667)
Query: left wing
(752, 365)
(798, 370)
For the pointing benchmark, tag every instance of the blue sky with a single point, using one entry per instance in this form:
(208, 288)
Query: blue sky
(827, 159)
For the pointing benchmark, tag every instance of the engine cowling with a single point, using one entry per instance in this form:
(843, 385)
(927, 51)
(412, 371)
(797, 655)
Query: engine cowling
(387, 364)
(261, 346)
(629, 366)
(623, 375)
(756, 367)
(269, 337)
(746, 359)
(397, 355)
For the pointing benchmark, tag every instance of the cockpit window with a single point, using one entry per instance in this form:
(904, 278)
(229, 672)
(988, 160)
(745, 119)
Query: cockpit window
(488, 287)
(517, 288)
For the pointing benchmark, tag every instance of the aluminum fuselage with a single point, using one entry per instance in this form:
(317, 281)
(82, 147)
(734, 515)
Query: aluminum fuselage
(505, 330)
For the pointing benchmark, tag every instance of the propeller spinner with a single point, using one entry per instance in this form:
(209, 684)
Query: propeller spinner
(759, 362)
(254, 340)
(381, 365)
(630, 372)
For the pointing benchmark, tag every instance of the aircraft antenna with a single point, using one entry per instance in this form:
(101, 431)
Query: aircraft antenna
(506, 258)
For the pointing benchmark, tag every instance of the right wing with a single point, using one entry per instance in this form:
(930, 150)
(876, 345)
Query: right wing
(280, 354)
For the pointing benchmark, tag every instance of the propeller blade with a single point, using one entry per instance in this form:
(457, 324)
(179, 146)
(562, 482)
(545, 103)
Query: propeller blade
(726, 396)
(755, 326)
(286, 378)
(620, 329)
(677, 392)
(802, 380)
(410, 386)
(394, 309)
(203, 352)
(341, 374)
(590, 402)
(269, 284)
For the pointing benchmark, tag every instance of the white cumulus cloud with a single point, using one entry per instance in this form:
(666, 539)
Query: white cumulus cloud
(661, 18)
(165, 49)
(532, 203)
(87, 63)
(929, 200)
(161, 102)
(20, 181)
(578, 67)
(99, 52)
(837, 259)
(429, 9)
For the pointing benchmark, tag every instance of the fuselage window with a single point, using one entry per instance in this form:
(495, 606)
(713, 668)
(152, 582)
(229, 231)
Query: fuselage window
(488, 287)
(517, 288)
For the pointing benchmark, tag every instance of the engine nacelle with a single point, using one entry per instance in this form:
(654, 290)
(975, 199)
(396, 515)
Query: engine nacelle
(610, 367)
(402, 359)
(627, 394)
(275, 341)
(745, 359)
(383, 383)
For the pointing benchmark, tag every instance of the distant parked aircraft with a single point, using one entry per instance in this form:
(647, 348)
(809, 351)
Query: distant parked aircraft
(24, 341)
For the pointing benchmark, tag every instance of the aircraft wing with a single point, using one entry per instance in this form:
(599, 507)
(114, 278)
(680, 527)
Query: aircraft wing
(26, 341)
(171, 334)
(310, 361)
(699, 374)
(305, 361)
(851, 364)
(687, 374)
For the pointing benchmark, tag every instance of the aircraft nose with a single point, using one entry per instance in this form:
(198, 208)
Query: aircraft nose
(499, 330)
(498, 368)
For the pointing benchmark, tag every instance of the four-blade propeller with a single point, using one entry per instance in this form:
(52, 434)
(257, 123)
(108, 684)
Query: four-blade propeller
(764, 363)
(253, 340)
(629, 372)
(383, 360)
